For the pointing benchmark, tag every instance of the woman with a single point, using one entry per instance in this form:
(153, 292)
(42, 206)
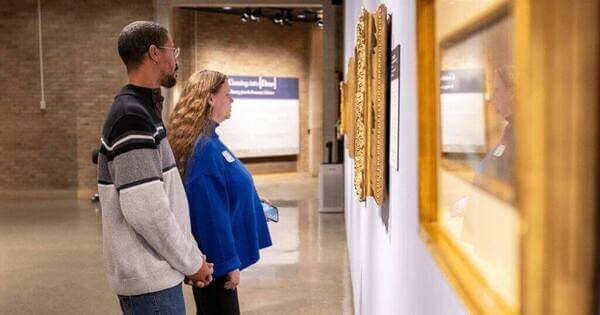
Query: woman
(225, 210)
(494, 186)
(497, 165)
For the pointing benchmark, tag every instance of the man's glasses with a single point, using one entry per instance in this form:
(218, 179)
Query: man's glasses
(176, 50)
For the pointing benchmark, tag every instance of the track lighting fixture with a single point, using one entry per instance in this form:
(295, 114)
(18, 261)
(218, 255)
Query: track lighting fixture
(278, 18)
(246, 15)
(255, 15)
(288, 18)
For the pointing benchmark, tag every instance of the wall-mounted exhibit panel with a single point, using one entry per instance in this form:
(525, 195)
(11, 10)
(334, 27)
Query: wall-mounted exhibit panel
(265, 117)
(483, 195)
(394, 106)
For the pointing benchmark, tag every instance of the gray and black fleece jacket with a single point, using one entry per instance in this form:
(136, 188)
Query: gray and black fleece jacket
(147, 240)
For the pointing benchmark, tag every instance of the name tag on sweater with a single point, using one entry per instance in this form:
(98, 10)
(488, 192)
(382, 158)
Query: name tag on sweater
(499, 150)
(228, 157)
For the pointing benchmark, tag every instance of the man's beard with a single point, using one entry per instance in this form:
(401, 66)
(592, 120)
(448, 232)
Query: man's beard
(168, 81)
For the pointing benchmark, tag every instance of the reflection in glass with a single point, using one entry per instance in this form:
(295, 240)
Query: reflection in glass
(476, 178)
(495, 171)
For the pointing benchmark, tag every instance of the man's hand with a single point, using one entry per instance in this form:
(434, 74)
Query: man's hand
(203, 276)
(233, 279)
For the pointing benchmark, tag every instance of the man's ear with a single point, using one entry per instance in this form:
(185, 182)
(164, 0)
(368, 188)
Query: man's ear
(153, 53)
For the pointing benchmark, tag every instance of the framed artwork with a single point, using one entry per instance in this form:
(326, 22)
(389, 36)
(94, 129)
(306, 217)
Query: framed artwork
(350, 105)
(476, 233)
(503, 210)
(366, 103)
(362, 101)
(377, 105)
(343, 91)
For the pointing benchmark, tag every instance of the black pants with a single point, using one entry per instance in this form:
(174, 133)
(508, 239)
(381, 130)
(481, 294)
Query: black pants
(214, 299)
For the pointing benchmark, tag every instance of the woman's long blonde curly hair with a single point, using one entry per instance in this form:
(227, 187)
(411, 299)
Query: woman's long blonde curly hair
(192, 114)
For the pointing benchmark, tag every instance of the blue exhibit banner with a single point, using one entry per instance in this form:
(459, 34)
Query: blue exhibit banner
(462, 81)
(263, 87)
(462, 111)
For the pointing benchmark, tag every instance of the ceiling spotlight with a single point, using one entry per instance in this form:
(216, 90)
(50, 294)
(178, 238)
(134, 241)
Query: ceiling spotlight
(227, 8)
(288, 18)
(320, 23)
(306, 15)
(246, 16)
(255, 16)
(278, 19)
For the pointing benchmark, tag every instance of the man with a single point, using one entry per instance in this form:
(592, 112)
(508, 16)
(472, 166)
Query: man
(148, 245)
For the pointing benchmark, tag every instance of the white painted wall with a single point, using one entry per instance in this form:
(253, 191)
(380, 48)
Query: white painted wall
(392, 270)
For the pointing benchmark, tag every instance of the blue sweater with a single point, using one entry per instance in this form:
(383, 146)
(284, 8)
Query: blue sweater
(225, 211)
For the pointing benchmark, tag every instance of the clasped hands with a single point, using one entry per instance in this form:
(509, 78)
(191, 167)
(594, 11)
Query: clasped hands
(202, 277)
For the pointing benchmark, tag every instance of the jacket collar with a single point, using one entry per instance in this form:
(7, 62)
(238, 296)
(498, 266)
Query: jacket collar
(213, 131)
(150, 97)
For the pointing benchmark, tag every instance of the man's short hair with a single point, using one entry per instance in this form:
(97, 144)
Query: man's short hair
(136, 38)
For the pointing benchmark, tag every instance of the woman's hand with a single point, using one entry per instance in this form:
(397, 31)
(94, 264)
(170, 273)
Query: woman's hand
(265, 200)
(233, 279)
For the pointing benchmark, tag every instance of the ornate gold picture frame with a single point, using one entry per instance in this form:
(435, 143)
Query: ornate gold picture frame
(343, 91)
(362, 53)
(558, 209)
(349, 100)
(377, 107)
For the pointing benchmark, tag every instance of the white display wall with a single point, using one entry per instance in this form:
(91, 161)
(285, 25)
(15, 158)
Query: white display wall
(265, 118)
(392, 270)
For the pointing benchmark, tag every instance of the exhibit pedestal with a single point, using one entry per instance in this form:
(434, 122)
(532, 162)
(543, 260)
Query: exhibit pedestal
(331, 188)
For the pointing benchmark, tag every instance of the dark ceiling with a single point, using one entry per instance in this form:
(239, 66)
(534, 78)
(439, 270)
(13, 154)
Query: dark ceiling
(277, 15)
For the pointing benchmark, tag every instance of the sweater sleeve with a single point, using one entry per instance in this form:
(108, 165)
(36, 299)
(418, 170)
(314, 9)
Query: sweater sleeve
(136, 168)
(211, 222)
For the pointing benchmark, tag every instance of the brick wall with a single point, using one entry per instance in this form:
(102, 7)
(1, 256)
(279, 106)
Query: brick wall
(226, 44)
(102, 73)
(51, 149)
(37, 148)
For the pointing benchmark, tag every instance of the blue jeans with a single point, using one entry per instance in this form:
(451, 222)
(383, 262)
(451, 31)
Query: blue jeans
(165, 302)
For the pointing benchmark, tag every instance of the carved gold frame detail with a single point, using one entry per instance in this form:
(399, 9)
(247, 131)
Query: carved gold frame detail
(363, 47)
(376, 126)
